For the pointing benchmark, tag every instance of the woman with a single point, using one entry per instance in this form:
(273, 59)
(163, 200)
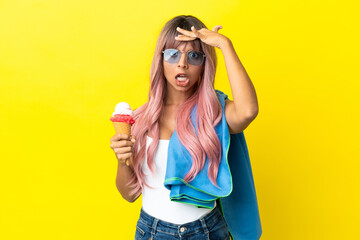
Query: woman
(182, 77)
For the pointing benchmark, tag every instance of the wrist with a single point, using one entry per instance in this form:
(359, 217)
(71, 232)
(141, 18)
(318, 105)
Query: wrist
(224, 43)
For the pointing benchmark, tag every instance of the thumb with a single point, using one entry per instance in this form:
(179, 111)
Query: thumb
(217, 27)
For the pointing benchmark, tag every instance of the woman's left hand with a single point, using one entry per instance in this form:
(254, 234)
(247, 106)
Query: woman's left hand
(212, 38)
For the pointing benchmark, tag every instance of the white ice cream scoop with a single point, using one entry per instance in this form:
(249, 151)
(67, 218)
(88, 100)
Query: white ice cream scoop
(123, 108)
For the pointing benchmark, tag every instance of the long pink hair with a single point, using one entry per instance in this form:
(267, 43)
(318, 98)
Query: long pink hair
(209, 112)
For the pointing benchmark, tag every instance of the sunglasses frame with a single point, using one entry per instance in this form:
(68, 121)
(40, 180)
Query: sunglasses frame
(187, 55)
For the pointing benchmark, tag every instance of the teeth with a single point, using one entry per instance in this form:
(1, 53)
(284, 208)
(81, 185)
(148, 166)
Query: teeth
(181, 78)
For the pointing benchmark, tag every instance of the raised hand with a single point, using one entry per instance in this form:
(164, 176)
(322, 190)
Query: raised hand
(212, 38)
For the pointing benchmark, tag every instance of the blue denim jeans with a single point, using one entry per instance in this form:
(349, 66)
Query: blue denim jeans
(210, 227)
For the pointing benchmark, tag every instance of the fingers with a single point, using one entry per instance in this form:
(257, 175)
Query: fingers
(184, 38)
(119, 136)
(123, 149)
(122, 140)
(194, 29)
(123, 154)
(187, 33)
(217, 27)
(124, 157)
(196, 32)
(121, 144)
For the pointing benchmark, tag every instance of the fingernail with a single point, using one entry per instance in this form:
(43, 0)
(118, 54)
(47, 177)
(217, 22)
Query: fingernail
(133, 140)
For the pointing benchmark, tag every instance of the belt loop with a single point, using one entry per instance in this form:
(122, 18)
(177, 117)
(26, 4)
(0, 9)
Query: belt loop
(202, 220)
(156, 220)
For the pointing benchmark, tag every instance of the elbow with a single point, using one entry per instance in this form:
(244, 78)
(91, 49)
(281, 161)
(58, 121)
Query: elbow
(128, 198)
(125, 195)
(253, 113)
(131, 199)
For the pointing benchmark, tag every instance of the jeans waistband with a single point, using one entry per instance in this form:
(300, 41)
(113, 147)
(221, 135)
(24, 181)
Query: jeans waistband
(204, 223)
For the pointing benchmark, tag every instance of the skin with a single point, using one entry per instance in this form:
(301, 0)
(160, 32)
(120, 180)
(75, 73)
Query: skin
(243, 110)
(239, 113)
(176, 95)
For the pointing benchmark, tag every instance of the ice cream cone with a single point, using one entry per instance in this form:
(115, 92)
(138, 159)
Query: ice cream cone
(122, 120)
(122, 127)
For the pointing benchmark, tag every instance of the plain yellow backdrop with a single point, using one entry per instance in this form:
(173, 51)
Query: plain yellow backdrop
(64, 65)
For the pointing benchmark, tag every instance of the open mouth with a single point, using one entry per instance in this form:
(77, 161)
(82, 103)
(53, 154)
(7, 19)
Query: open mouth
(182, 79)
(182, 83)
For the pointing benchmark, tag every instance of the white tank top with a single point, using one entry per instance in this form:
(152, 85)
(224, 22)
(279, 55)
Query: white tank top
(156, 201)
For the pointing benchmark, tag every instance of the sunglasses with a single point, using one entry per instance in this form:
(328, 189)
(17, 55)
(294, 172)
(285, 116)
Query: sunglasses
(193, 57)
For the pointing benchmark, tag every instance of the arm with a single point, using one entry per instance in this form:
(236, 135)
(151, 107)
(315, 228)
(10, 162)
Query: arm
(240, 112)
(124, 174)
(244, 109)
(123, 149)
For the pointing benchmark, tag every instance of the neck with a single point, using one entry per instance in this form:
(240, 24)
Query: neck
(176, 98)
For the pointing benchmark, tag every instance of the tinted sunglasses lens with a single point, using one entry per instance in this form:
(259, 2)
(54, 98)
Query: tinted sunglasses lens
(172, 55)
(195, 58)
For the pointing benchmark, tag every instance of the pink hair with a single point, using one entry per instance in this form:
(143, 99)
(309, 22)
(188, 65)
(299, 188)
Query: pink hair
(209, 111)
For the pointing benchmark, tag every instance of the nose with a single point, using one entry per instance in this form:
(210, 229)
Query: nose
(183, 61)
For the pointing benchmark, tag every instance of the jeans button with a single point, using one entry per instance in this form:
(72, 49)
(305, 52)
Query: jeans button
(182, 229)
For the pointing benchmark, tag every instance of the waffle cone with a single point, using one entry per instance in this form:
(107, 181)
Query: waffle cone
(121, 127)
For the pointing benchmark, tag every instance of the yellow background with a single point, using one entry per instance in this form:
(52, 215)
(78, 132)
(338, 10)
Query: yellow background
(64, 65)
